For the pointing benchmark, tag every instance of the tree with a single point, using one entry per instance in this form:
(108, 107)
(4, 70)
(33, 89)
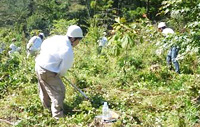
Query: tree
(13, 11)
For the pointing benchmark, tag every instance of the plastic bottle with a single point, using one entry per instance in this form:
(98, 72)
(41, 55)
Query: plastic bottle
(105, 111)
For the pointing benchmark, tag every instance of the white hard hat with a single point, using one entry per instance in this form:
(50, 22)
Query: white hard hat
(74, 31)
(161, 24)
(41, 34)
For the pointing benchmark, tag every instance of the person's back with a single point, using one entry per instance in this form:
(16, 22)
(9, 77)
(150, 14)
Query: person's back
(53, 49)
(34, 44)
(13, 48)
(103, 40)
(167, 31)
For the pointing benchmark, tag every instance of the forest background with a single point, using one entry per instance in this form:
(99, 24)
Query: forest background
(130, 73)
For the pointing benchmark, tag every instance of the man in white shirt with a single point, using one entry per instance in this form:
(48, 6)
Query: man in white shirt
(13, 47)
(102, 42)
(173, 52)
(55, 58)
(34, 44)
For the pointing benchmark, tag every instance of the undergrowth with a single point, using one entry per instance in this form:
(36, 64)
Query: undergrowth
(140, 92)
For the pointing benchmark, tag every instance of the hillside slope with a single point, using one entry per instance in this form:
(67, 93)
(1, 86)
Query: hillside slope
(133, 79)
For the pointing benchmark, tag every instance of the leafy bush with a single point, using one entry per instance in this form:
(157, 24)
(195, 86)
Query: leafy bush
(60, 26)
(140, 95)
(37, 22)
(132, 15)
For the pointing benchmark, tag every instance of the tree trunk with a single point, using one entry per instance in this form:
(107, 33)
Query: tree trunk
(88, 7)
(148, 4)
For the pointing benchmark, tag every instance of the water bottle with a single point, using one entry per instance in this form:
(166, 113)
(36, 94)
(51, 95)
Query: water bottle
(105, 111)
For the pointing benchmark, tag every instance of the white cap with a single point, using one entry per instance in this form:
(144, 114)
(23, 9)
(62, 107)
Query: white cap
(74, 31)
(161, 24)
(14, 39)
